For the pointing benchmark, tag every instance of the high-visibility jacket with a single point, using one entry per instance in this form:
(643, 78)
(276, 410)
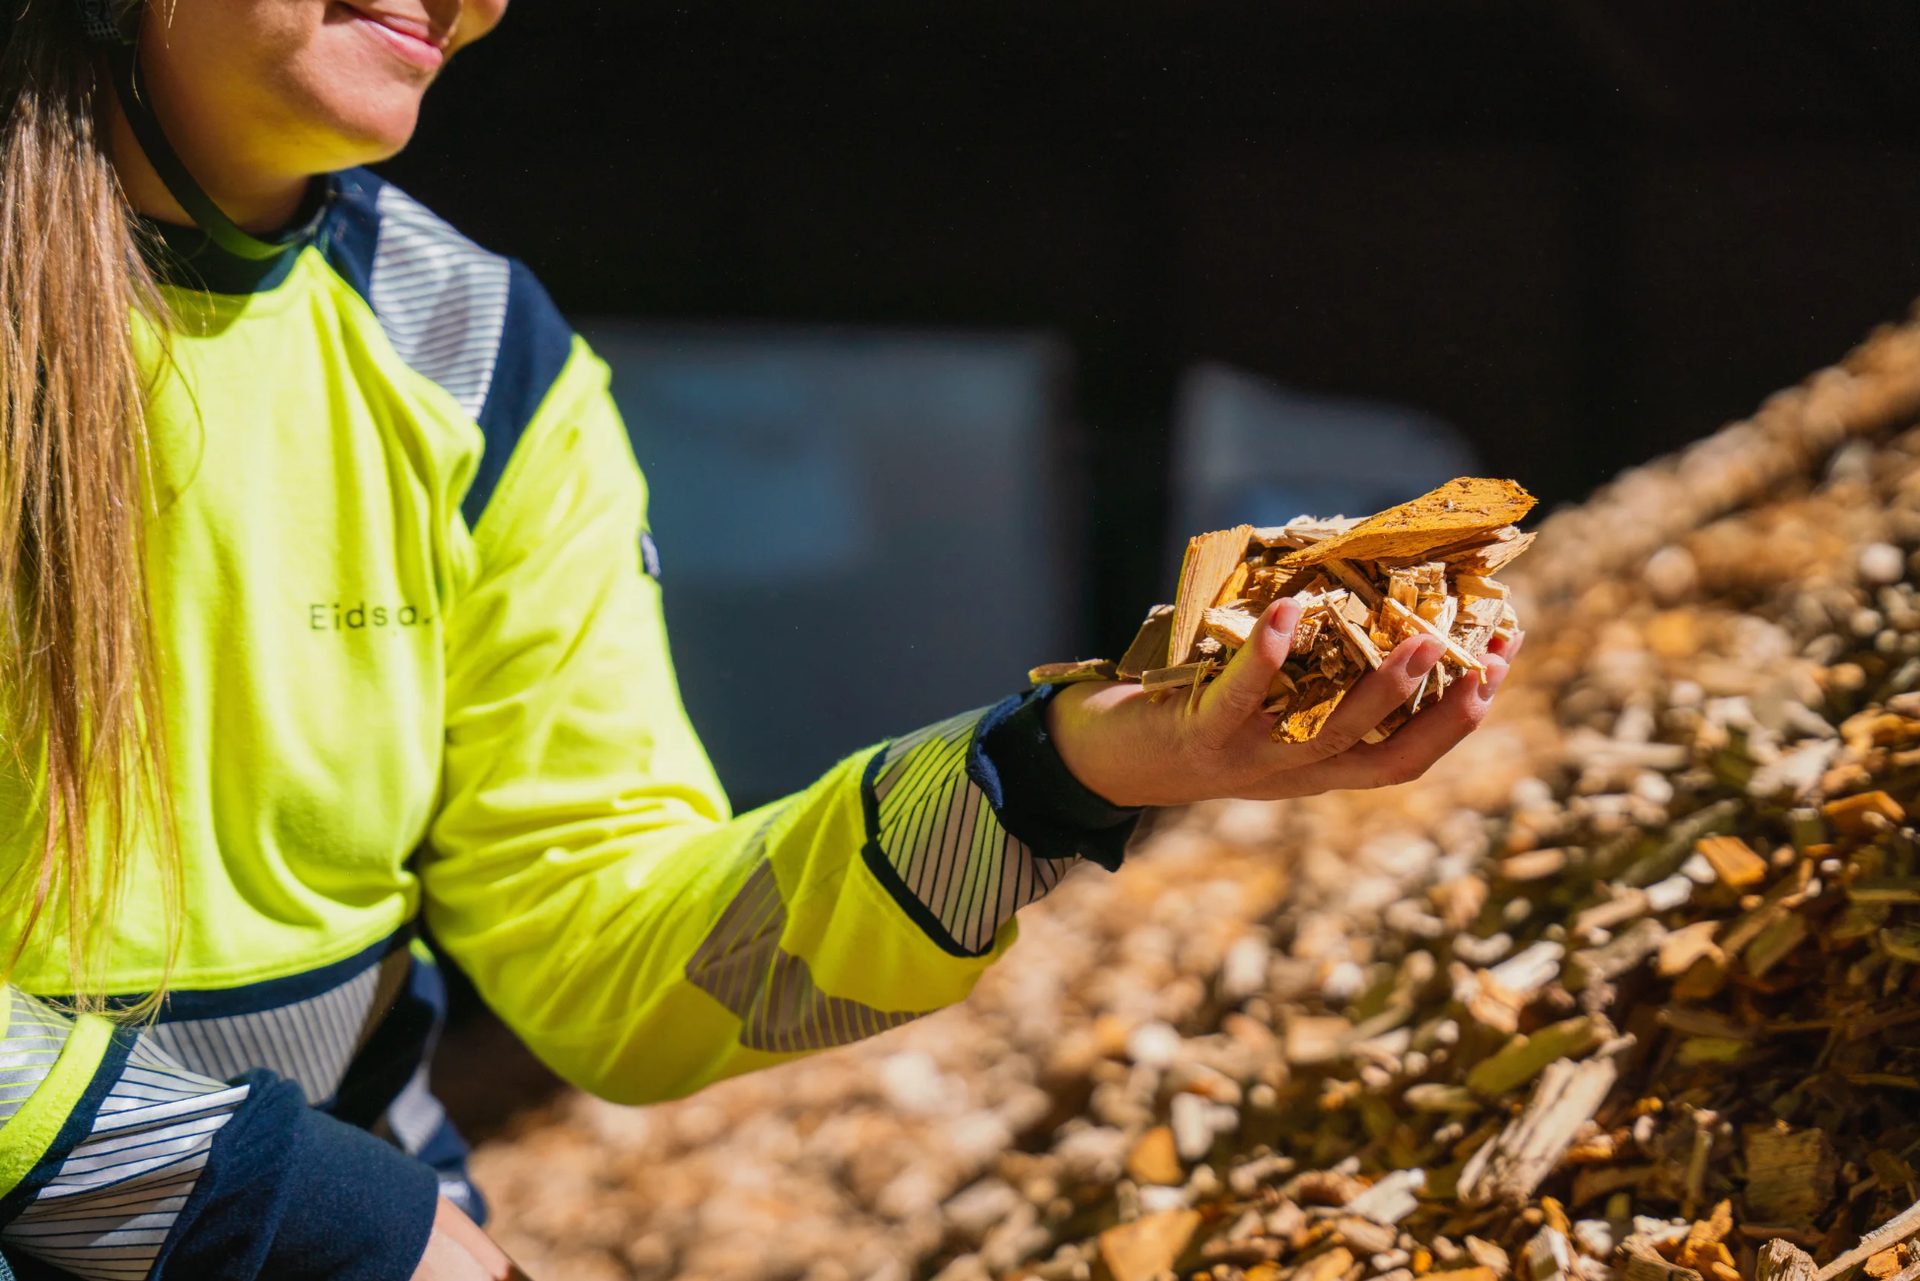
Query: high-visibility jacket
(414, 669)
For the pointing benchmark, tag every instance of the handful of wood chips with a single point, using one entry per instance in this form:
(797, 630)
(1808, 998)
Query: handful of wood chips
(1425, 566)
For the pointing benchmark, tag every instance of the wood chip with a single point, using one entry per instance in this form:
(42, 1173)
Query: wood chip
(1177, 677)
(1549, 1254)
(1231, 627)
(1454, 653)
(1733, 861)
(1475, 585)
(1392, 1199)
(1087, 669)
(1150, 644)
(1790, 1173)
(1311, 1039)
(1526, 1056)
(1510, 1167)
(1639, 1261)
(1210, 559)
(1683, 948)
(1781, 1260)
(1329, 1266)
(1702, 1244)
(1534, 865)
(1458, 510)
(1358, 642)
(1155, 1160)
(1149, 1246)
(1501, 549)
(1850, 814)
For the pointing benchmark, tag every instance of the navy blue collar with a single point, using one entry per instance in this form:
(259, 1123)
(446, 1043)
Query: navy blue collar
(190, 259)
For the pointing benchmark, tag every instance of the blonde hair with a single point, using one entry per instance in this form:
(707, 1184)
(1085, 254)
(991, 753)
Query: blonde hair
(77, 661)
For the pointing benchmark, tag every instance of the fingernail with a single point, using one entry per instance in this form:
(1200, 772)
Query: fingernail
(1496, 672)
(1421, 661)
(1281, 619)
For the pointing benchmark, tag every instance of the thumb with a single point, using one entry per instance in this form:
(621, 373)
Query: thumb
(1241, 690)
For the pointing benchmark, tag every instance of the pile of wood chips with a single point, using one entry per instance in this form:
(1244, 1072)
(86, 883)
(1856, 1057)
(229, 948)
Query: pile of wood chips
(1660, 1020)
(1423, 568)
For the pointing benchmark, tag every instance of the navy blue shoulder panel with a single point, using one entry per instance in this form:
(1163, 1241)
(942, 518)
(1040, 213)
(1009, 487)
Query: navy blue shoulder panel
(474, 322)
(534, 346)
(350, 231)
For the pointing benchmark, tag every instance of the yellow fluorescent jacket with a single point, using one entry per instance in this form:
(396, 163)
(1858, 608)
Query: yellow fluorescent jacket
(414, 665)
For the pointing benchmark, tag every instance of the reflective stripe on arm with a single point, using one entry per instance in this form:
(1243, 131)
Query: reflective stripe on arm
(938, 845)
(31, 1038)
(104, 1208)
(47, 1065)
(933, 840)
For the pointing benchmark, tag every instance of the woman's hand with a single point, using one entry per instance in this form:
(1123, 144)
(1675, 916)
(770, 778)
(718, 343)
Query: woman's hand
(1133, 751)
(460, 1251)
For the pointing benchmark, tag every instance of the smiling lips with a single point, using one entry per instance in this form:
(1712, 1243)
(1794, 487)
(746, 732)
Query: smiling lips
(411, 38)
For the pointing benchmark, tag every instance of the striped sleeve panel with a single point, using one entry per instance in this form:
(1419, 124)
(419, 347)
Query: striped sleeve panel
(108, 1208)
(940, 845)
(441, 299)
(476, 323)
(33, 1040)
(771, 991)
(310, 1042)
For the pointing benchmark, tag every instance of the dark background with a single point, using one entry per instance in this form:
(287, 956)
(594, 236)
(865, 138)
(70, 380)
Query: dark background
(1584, 233)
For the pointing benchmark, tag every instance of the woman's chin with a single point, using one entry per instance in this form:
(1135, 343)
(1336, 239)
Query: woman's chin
(373, 150)
(357, 101)
(367, 133)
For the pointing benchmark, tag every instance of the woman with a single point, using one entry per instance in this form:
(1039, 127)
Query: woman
(334, 611)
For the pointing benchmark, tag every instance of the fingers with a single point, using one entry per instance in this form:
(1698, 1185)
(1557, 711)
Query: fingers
(1377, 694)
(460, 1250)
(1411, 751)
(446, 1259)
(1240, 692)
(1507, 647)
(1426, 738)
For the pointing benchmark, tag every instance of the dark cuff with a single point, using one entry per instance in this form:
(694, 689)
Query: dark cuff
(293, 1194)
(1035, 795)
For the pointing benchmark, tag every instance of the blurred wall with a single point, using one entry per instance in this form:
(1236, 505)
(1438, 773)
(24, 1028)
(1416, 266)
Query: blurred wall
(859, 531)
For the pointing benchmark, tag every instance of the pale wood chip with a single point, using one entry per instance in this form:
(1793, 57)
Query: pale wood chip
(1150, 644)
(1209, 561)
(1086, 669)
(1231, 627)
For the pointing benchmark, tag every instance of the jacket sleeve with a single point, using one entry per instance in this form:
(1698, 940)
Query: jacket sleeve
(116, 1162)
(584, 868)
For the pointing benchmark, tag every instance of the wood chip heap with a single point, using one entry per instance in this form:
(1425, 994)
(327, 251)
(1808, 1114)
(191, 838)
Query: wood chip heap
(1656, 1017)
(1424, 567)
